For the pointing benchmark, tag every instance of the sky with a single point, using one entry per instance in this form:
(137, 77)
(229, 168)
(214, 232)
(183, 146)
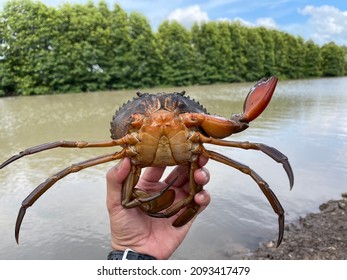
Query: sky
(320, 20)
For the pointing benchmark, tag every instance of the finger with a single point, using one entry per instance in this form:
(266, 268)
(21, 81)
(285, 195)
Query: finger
(202, 176)
(149, 181)
(153, 174)
(203, 199)
(114, 179)
(117, 174)
(181, 173)
(202, 160)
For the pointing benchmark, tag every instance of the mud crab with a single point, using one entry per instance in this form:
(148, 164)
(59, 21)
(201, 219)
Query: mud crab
(168, 129)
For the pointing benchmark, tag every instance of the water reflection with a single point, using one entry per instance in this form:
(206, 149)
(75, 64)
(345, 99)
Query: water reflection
(306, 120)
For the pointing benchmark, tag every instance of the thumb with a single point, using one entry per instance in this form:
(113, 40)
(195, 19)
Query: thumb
(114, 179)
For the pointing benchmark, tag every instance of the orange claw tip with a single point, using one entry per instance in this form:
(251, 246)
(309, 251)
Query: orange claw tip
(258, 98)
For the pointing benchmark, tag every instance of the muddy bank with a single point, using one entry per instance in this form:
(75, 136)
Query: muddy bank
(318, 236)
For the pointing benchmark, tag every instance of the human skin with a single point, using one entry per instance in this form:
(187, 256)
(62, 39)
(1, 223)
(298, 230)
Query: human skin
(131, 228)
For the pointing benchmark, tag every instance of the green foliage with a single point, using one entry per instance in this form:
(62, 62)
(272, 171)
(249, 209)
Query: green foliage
(90, 47)
(213, 47)
(143, 62)
(280, 54)
(345, 50)
(176, 54)
(255, 54)
(25, 31)
(269, 50)
(313, 59)
(117, 48)
(333, 60)
(295, 57)
(239, 58)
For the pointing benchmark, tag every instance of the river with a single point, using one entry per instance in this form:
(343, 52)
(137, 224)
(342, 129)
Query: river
(306, 120)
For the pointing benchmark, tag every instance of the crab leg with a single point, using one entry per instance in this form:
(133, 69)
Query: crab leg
(270, 151)
(158, 204)
(43, 187)
(192, 207)
(62, 144)
(271, 197)
(132, 198)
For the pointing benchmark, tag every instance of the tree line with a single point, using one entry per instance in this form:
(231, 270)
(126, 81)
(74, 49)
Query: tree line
(90, 47)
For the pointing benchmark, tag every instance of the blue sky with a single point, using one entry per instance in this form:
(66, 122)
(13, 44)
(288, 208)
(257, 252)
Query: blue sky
(322, 21)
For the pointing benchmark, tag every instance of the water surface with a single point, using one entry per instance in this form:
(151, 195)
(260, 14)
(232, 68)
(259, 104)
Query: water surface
(306, 120)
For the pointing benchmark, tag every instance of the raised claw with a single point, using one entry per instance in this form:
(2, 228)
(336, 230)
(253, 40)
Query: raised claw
(258, 98)
(255, 103)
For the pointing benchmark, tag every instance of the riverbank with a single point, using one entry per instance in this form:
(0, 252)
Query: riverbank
(318, 236)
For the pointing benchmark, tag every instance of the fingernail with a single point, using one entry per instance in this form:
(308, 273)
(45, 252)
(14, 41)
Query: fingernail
(205, 173)
(202, 198)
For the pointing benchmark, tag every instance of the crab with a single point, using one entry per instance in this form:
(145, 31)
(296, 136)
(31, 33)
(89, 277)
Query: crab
(168, 129)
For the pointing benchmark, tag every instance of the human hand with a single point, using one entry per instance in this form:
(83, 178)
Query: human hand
(131, 228)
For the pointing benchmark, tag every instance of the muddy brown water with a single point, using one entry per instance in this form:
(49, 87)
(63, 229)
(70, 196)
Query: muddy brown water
(306, 120)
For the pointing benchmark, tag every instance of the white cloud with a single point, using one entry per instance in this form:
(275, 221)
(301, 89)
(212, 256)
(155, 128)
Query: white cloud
(266, 22)
(327, 23)
(242, 22)
(188, 16)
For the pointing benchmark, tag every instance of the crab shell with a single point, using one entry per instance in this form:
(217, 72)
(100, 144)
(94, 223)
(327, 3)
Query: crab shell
(145, 104)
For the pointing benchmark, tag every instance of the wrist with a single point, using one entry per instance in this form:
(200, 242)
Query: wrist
(128, 254)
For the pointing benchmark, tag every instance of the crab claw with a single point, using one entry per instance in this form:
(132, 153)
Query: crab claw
(258, 98)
